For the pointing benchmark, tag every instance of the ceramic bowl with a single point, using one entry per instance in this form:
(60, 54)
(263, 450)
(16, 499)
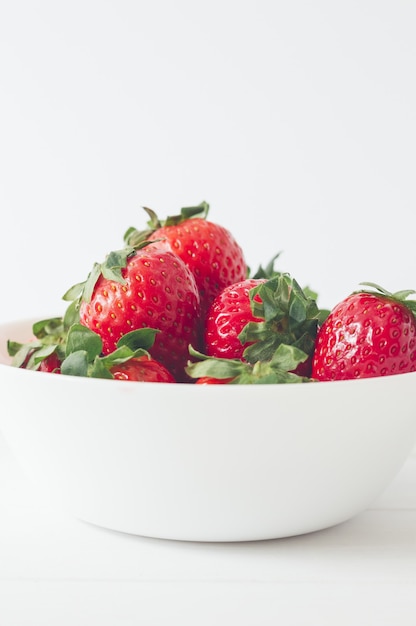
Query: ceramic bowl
(206, 462)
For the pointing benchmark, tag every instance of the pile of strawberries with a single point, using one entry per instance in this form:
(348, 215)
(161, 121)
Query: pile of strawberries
(178, 304)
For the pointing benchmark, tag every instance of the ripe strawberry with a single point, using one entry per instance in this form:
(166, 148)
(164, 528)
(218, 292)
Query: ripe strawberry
(226, 318)
(142, 369)
(130, 360)
(208, 249)
(51, 364)
(250, 319)
(147, 287)
(370, 333)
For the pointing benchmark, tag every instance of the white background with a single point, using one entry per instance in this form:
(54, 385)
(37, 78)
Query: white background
(294, 120)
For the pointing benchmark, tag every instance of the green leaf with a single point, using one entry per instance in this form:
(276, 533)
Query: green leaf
(75, 364)
(141, 338)
(154, 223)
(287, 358)
(297, 309)
(20, 352)
(377, 288)
(91, 281)
(40, 355)
(43, 328)
(114, 263)
(81, 338)
(74, 292)
(13, 347)
(215, 368)
(119, 355)
(71, 315)
(200, 210)
(404, 294)
(322, 315)
(99, 369)
(267, 272)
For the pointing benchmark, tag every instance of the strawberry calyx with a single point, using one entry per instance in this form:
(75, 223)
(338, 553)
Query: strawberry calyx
(84, 349)
(278, 369)
(266, 272)
(50, 338)
(288, 317)
(398, 296)
(111, 268)
(133, 237)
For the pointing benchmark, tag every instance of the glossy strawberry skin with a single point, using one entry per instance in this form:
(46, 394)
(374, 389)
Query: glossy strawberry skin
(226, 318)
(209, 250)
(142, 369)
(365, 335)
(159, 292)
(51, 364)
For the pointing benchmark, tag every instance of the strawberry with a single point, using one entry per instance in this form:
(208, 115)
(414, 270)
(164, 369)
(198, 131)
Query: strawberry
(252, 318)
(51, 364)
(142, 369)
(208, 249)
(130, 360)
(226, 318)
(369, 333)
(142, 287)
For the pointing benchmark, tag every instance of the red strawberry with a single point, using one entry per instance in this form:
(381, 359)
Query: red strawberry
(208, 249)
(250, 319)
(130, 360)
(142, 369)
(370, 333)
(51, 364)
(143, 288)
(259, 330)
(226, 318)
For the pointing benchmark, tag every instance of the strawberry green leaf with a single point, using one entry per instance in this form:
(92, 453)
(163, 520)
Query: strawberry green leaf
(274, 371)
(121, 355)
(99, 369)
(213, 367)
(399, 296)
(90, 283)
(200, 210)
(74, 292)
(403, 295)
(141, 338)
(287, 358)
(43, 328)
(75, 364)
(114, 263)
(20, 352)
(81, 338)
(268, 271)
(287, 316)
(38, 356)
(13, 347)
(71, 315)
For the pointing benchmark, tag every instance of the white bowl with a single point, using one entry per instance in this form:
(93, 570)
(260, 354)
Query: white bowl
(207, 462)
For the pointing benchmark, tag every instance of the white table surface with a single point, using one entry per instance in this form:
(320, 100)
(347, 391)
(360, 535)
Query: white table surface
(59, 571)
